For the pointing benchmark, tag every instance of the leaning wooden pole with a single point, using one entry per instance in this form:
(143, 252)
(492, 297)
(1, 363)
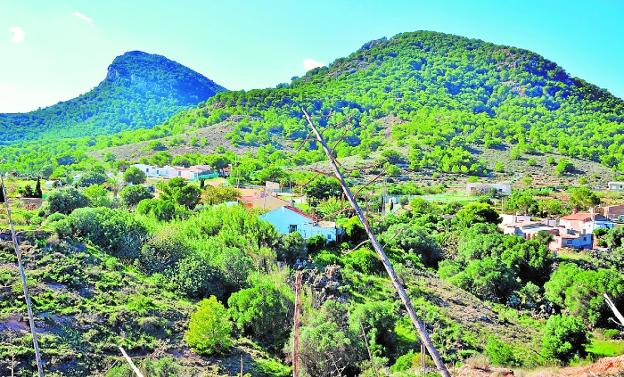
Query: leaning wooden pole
(129, 360)
(20, 266)
(420, 327)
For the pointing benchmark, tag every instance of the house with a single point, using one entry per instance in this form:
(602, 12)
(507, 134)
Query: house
(508, 219)
(484, 188)
(288, 219)
(616, 186)
(571, 239)
(263, 200)
(585, 222)
(614, 212)
(196, 172)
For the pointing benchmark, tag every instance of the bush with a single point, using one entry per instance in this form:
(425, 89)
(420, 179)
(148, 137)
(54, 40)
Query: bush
(363, 260)
(134, 176)
(196, 278)
(210, 328)
(92, 178)
(179, 191)
(500, 353)
(66, 200)
(115, 231)
(163, 250)
(163, 210)
(263, 311)
(132, 195)
(564, 338)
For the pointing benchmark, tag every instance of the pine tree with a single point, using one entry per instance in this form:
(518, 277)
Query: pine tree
(38, 192)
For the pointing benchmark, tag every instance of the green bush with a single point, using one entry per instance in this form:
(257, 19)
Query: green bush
(132, 195)
(115, 231)
(564, 338)
(66, 200)
(500, 353)
(134, 176)
(196, 278)
(163, 250)
(263, 311)
(210, 328)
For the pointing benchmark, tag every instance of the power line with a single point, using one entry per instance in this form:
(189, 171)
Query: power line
(420, 327)
(20, 266)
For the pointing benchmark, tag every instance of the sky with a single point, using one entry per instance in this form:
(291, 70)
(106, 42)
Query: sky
(55, 50)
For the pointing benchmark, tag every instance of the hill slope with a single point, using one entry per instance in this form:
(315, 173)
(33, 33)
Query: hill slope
(435, 93)
(139, 91)
(436, 96)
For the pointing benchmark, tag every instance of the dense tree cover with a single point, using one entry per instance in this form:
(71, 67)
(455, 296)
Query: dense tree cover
(132, 195)
(442, 93)
(140, 90)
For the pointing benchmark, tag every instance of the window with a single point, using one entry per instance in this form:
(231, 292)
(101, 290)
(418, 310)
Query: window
(292, 228)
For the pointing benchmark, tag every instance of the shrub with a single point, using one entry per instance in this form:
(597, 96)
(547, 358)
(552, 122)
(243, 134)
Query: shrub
(66, 200)
(499, 353)
(134, 176)
(196, 278)
(132, 195)
(115, 231)
(179, 191)
(263, 311)
(564, 338)
(163, 250)
(363, 260)
(92, 178)
(210, 328)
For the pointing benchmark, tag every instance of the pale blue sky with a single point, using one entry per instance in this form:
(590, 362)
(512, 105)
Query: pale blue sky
(55, 50)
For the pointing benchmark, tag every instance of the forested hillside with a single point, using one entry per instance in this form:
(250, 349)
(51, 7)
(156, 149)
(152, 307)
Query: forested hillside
(139, 91)
(434, 95)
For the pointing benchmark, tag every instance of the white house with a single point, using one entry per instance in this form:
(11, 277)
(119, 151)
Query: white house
(616, 186)
(585, 222)
(477, 188)
(287, 219)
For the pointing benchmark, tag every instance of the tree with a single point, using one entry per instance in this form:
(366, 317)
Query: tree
(98, 196)
(92, 178)
(180, 191)
(66, 200)
(196, 278)
(582, 198)
(134, 176)
(564, 167)
(132, 195)
(210, 328)
(476, 212)
(263, 311)
(323, 188)
(564, 338)
(38, 192)
(408, 238)
(216, 195)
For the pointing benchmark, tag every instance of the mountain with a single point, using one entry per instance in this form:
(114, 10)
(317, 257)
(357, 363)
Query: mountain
(139, 91)
(439, 99)
(438, 96)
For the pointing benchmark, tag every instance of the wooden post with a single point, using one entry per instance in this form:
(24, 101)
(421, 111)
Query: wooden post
(420, 327)
(615, 311)
(129, 360)
(295, 354)
(20, 266)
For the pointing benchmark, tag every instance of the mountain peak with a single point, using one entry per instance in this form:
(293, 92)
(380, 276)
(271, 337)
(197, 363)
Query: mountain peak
(140, 90)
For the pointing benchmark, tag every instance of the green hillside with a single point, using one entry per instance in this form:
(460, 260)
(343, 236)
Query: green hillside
(139, 91)
(434, 95)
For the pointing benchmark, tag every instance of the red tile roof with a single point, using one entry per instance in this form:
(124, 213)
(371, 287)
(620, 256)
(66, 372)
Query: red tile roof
(300, 212)
(584, 216)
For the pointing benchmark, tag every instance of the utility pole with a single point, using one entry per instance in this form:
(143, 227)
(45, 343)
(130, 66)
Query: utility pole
(20, 266)
(420, 327)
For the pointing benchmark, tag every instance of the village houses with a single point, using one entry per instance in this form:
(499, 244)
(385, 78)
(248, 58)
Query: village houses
(191, 173)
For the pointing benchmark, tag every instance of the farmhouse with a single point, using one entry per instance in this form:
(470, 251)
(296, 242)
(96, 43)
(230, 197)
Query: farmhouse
(484, 188)
(613, 212)
(288, 219)
(190, 173)
(585, 222)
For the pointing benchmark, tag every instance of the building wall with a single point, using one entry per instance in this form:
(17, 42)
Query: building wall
(282, 219)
